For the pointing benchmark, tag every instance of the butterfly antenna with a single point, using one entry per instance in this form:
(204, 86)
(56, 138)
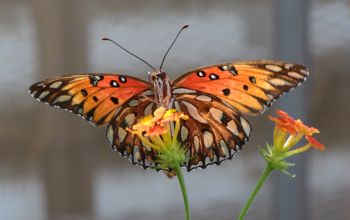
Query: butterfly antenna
(184, 27)
(132, 54)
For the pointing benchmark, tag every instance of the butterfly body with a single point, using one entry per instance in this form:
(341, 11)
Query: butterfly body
(215, 98)
(162, 88)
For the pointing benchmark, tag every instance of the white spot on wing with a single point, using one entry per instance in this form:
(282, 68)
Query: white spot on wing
(177, 106)
(279, 82)
(62, 98)
(147, 92)
(33, 93)
(133, 103)
(130, 119)
(273, 68)
(207, 160)
(182, 90)
(224, 67)
(43, 94)
(121, 134)
(246, 126)
(208, 139)
(148, 109)
(136, 153)
(196, 143)
(216, 113)
(110, 134)
(194, 112)
(288, 65)
(184, 133)
(231, 126)
(304, 72)
(224, 148)
(270, 96)
(203, 98)
(55, 85)
(295, 75)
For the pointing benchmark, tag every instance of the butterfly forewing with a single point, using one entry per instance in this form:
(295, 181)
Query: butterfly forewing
(250, 87)
(96, 97)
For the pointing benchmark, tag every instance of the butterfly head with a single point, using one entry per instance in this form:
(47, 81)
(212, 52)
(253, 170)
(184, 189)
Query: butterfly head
(155, 76)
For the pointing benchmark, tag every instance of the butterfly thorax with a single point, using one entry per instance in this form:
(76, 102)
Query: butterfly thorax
(162, 88)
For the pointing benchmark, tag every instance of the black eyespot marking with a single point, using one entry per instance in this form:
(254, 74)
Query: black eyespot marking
(122, 79)
(95, 79)
(226, 92)
(95, 98)
(114, 83)
(201, 74)
(84, 92)
(213, 76)
(245, 87)
(252, 79)
(115, 100)
(233, 70)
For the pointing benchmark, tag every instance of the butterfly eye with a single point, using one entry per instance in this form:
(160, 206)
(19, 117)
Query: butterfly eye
(154, 78)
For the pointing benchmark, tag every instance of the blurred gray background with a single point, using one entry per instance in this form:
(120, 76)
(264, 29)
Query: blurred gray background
(53, 165)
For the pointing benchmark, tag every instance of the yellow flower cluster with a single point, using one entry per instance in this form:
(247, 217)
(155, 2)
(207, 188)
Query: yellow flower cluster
(158, 132)
(155, 131)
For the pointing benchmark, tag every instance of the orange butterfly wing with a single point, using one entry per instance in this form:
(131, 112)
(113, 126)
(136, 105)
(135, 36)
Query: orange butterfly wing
(215, 97)
(250, 87)
(96, 97)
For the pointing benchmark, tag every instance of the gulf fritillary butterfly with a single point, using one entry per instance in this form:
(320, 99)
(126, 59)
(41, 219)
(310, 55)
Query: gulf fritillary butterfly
(214, 97)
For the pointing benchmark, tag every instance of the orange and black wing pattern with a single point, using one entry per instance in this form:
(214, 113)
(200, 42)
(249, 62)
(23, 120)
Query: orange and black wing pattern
(214, 131)
(215, 99)
(95, 97)
(126, 143)
(250, 86)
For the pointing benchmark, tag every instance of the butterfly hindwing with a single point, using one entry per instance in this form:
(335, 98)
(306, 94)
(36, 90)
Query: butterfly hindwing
(123, 141)
(96, 97)
(213, 132)
(250, 87)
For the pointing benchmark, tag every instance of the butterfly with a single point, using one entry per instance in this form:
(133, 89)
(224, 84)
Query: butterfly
(216, 98)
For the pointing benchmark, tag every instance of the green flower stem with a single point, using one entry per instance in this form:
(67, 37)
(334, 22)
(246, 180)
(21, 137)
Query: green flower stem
(253, 194)
(184, 192)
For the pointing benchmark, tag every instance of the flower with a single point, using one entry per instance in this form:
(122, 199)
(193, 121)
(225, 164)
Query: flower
(313, 142)
(296, 128)
(284, 122)
(155, 132)
(288, 133)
